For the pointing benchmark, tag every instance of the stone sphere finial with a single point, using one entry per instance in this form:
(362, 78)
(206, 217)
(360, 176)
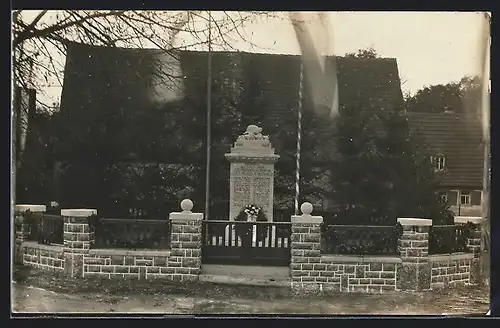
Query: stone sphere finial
(306, 208)
(187, 205)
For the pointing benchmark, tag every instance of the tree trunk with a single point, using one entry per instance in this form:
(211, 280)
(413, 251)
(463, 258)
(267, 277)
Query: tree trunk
(16, 131)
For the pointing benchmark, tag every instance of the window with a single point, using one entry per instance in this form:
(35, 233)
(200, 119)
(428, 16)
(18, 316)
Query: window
(465, 198)
(438, 162)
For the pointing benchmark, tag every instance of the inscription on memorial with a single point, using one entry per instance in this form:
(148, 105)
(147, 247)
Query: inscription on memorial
(262, 190)
(253, 170)
(242, 191)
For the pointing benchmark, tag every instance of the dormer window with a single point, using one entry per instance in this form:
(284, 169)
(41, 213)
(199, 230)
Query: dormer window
(438, 162)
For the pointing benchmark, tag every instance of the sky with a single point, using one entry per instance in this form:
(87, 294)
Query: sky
(430, 47)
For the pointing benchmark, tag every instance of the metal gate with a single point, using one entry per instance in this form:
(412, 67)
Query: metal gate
(246, 243)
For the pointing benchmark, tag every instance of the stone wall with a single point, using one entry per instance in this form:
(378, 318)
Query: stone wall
(450, 270)
(77, 258)
(44, 257)
(310, 270)
(346, 273)
(412, 270)
(118, 263)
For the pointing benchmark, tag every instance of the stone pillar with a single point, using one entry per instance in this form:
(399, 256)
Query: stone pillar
(251, 179)
(77, 239)
(305, 245)
(414, 273)
(185, 243)
(22, 229)
(473, 244)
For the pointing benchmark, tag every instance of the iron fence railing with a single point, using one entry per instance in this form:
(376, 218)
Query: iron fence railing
(131, 233)
(446, 239)
(45, 229)
(360, 240)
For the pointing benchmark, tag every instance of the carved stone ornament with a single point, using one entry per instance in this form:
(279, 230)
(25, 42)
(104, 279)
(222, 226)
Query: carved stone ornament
(252, 143)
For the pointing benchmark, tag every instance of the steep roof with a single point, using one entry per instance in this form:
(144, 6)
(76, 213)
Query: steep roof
(458, 138)
(265, 86)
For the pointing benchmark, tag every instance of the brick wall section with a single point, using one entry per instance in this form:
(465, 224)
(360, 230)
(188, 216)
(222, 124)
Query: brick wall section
(312, 271)
(351, 274)
(306, 255)
(414, 273)
(181, 263)
(77, 239)
(184, 263)
(473, 244)
(44, 257)
(77, 259)
(122, 263)
(450, 270)
(22, 234)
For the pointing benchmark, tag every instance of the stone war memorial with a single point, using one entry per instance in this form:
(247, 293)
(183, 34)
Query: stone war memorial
(252, 172)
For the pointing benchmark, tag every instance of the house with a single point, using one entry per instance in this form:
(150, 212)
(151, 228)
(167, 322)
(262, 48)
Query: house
(262, 89)
(453, 142)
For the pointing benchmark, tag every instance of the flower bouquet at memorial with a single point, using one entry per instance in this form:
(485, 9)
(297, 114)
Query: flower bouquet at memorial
(250, 213)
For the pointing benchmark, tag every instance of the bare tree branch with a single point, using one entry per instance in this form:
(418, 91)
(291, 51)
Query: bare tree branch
(31, 32)
(44, 39)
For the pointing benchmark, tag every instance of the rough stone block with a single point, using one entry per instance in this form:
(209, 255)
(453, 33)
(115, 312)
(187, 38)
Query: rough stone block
(176, 228)
(306, 267)
(178, 252)
(413, 252)
(299, 273)
(344, 282)
(302, 245)
(298, 259)
(191, 262)
(181, 270)
(332, 267)
(167, 270)
(327, 273)
(296, 230)
(312, 237)
(372, 274)
(350, 268)
(319, 267)
(190, 244)
(312, 253)
(388, 275)
(406, 277)
(174, 264)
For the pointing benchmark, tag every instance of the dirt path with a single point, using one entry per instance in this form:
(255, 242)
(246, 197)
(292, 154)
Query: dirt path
(32, 299)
